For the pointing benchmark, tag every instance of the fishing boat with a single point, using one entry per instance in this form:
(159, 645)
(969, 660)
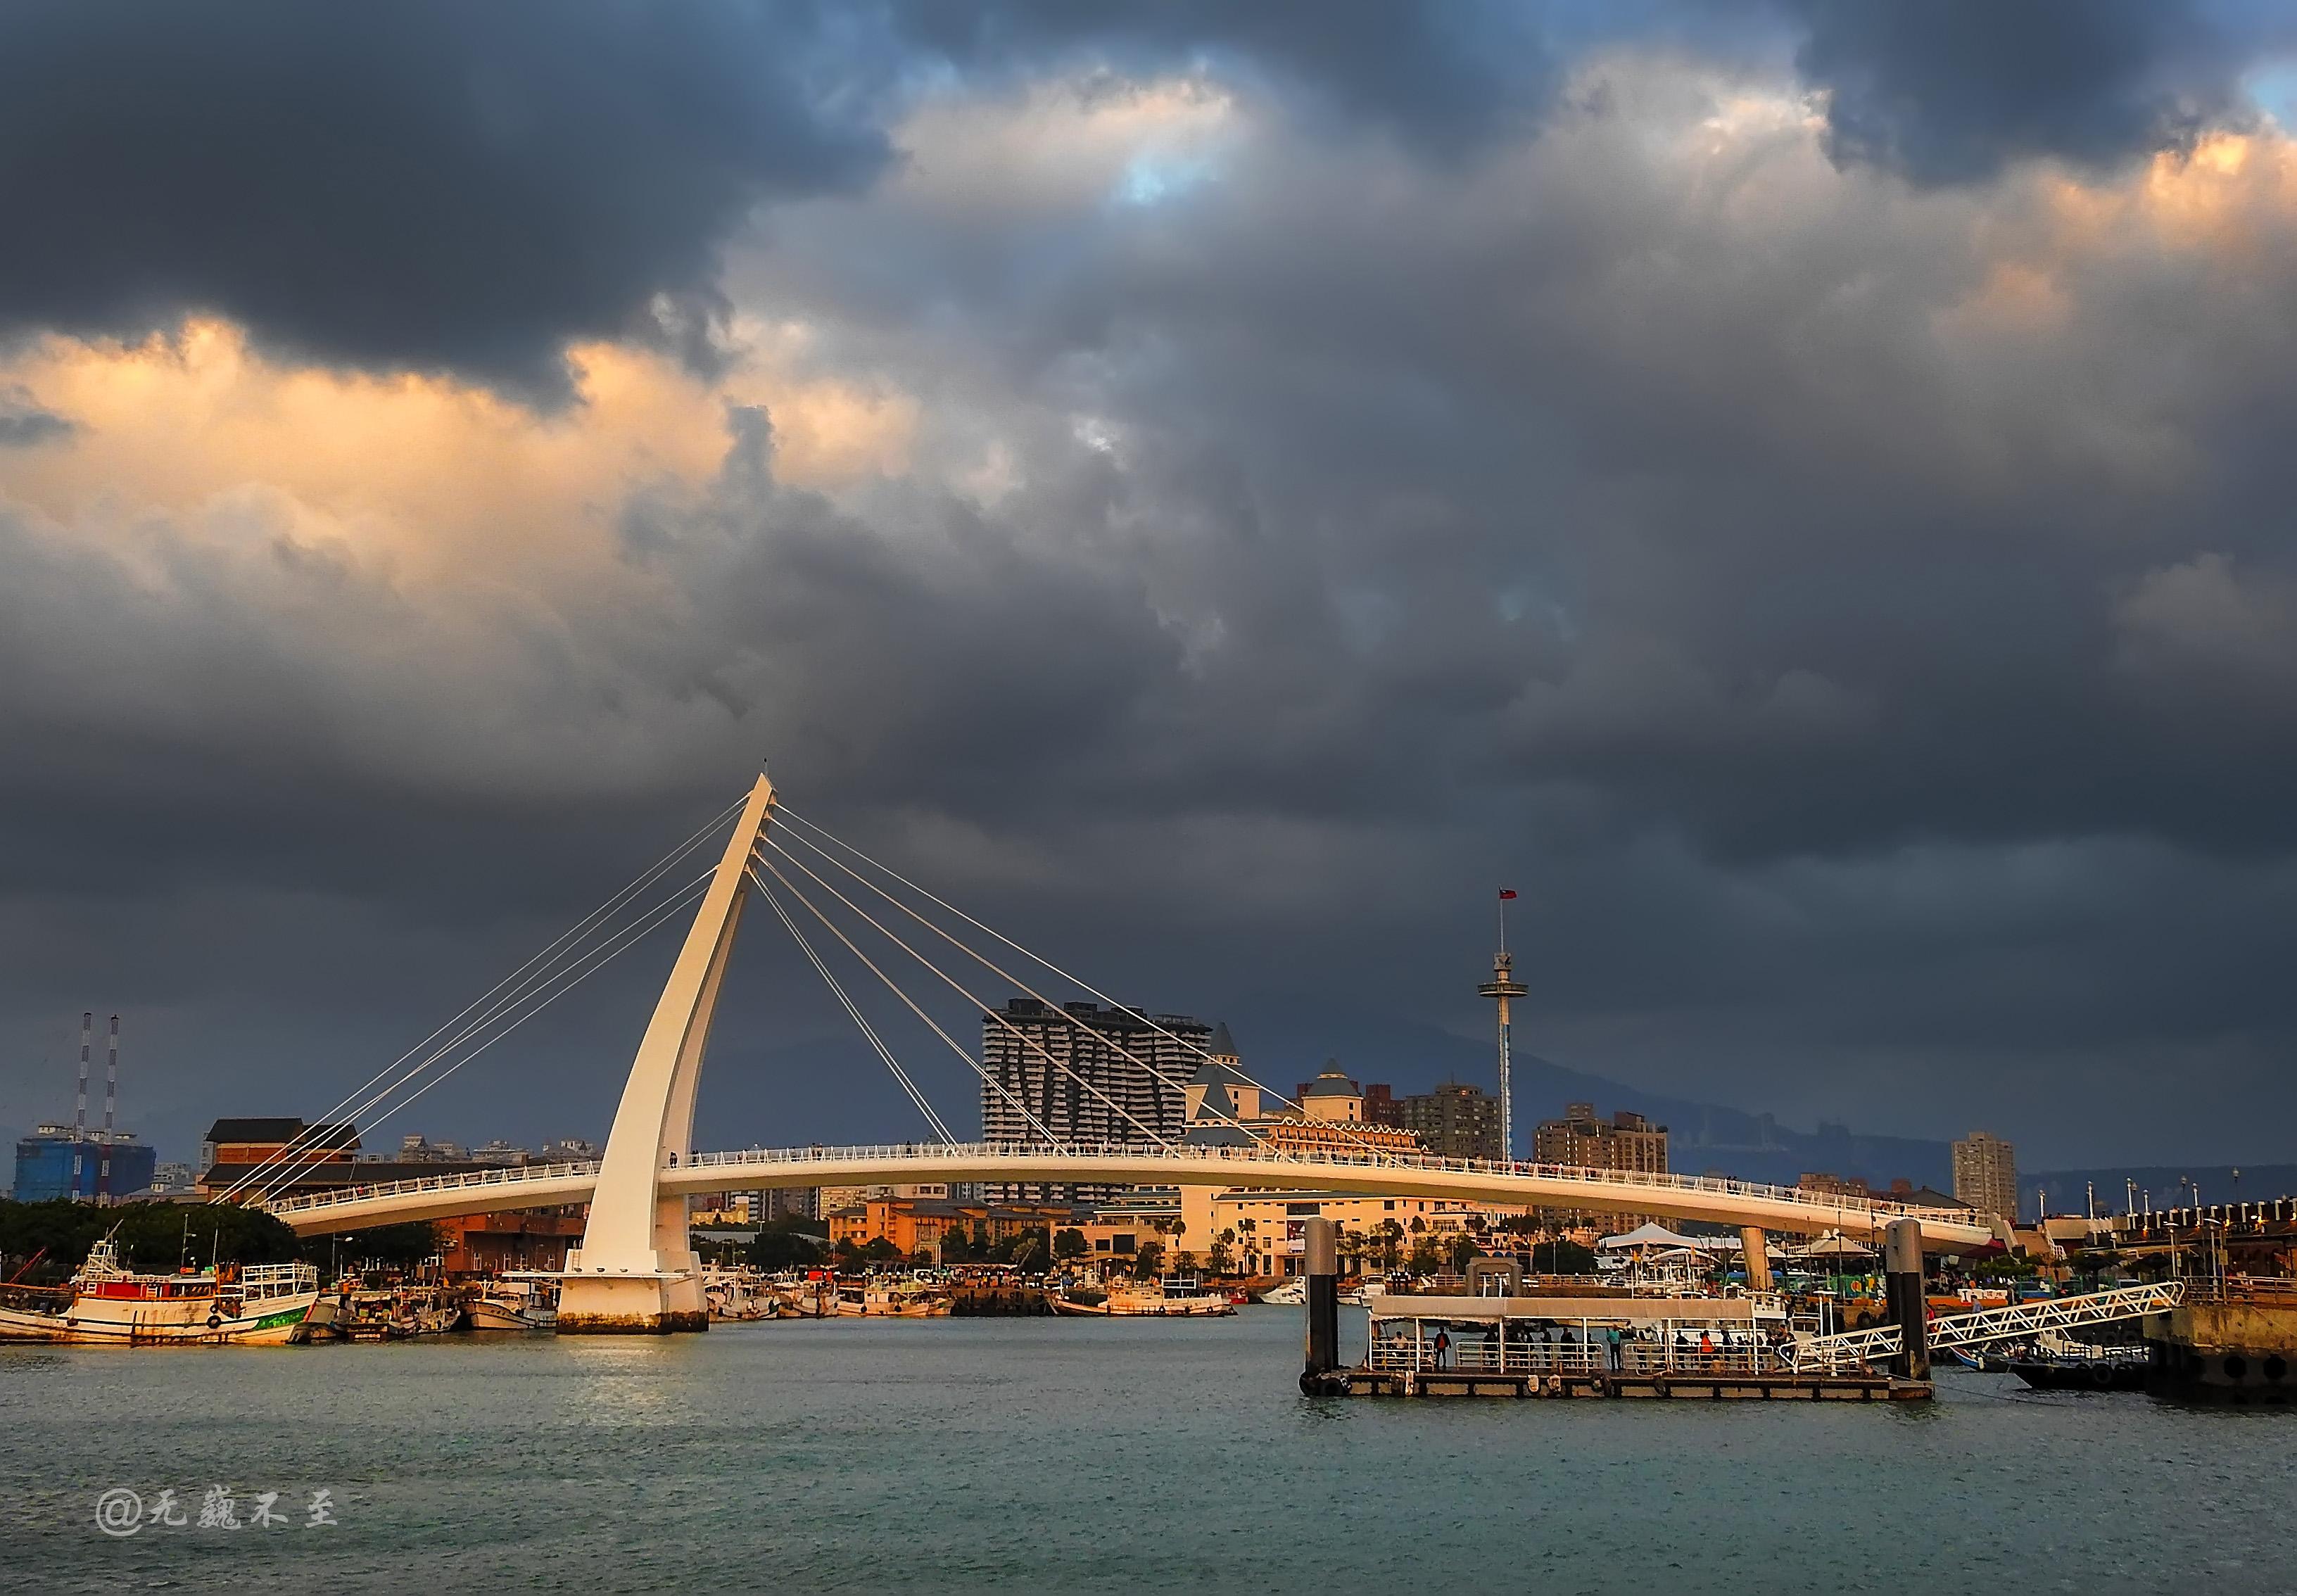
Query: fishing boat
(890, 1299)
(514, 1304)
(1146, 1299)
(2058, 1363)
(1292, 1294)
(107, 1305)
(736, 1295)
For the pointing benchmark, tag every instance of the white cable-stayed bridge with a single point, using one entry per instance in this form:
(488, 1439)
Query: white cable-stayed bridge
(635, 1270)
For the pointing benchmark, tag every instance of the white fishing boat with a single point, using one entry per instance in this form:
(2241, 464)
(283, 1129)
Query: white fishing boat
(1292, 1294)
(737, 1294)
(106, 1304)
(516, 1304)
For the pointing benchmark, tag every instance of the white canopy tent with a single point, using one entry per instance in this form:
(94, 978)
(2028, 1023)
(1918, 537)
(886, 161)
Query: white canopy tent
(1827, 1248)
(1652, 1234)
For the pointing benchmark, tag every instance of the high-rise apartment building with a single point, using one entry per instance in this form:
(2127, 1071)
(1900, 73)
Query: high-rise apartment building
(1626, 1140)
(1456, 1120)
(1083, 1074)
(1985, 1175)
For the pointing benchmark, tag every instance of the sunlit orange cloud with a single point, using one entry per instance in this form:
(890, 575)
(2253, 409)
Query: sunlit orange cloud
(425, 471)
(2231, 192)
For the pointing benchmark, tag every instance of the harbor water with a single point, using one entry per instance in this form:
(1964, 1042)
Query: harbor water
(1065, 1455)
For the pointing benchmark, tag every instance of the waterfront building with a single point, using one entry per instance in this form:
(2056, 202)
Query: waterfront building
(1332, 1096)
(1626, 1140)
(414, 1148)
(1225, 1108)
(232, 1146)
(568, 1149)
(1457, 1120)
(1262, 1232)
(59, 1161)
(912, 1226)
(171, 1179)
(1832, 1185)
(1985, 1175)
(1085, 1075)
(490, 1244)
(791, 1201)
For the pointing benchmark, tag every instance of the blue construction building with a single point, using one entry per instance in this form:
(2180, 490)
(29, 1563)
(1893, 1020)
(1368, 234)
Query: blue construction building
(56, 1160)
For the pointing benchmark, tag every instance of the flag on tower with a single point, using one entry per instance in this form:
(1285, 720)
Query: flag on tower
(1507, 891)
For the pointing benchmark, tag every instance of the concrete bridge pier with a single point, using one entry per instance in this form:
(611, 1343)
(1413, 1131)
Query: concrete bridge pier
(1756, 1247)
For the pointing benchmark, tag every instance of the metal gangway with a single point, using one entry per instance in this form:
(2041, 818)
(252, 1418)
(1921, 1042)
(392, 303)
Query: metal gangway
(1975, 1328)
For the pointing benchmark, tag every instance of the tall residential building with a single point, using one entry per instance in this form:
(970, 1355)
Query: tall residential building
(1084, 1074)
(1626, 1140)
(1456, 1120)
(1985, 1175)
(792, 1202)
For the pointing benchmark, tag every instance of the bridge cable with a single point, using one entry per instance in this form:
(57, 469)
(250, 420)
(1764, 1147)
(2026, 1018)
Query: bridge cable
(583, 968)
(293, 1163)
(1153, 1134)
(597, 957)
(1193, 1046)
(1100, 1036)
(954, 1045)
(867, 1031)
(300, 1141)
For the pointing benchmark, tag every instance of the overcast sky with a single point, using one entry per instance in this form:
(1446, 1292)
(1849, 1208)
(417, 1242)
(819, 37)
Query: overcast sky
(1801, 491)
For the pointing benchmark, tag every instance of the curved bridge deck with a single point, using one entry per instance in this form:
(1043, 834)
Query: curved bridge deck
(1702, 1198)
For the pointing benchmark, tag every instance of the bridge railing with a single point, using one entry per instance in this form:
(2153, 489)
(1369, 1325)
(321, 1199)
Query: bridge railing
(1265, 1161)
(509, 1174)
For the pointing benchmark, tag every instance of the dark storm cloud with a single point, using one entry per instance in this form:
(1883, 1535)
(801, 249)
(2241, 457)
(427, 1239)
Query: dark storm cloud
(1871, 672)
(1953, 91)
(1444, 75)
(427, 186)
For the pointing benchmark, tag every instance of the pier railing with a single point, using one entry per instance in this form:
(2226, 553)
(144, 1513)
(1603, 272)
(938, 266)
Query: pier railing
(2017, 1321)
(1537, 1356)
(1259, 1166)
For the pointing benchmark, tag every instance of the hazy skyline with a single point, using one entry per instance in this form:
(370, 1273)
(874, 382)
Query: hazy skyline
(1797, 490)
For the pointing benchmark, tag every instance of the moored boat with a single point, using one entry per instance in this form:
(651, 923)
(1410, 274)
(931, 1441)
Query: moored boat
(890, 1299)
(107, 1305)
(514, 1305)
(1147, 1299)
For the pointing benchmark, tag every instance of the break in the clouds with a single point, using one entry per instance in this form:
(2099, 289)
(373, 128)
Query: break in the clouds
(1799, 492)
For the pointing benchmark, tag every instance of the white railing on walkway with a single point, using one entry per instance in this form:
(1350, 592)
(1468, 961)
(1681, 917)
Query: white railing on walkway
(1397, 1354)
(1982, 1325)
(1263, 1161)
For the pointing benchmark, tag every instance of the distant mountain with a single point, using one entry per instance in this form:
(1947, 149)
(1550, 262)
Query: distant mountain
(1701, 1136)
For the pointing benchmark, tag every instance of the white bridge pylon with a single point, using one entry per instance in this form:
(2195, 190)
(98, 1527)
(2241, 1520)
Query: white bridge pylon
(636, 1270)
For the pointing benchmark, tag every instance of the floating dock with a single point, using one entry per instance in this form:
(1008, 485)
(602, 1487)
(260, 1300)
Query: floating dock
(1617, 1346)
